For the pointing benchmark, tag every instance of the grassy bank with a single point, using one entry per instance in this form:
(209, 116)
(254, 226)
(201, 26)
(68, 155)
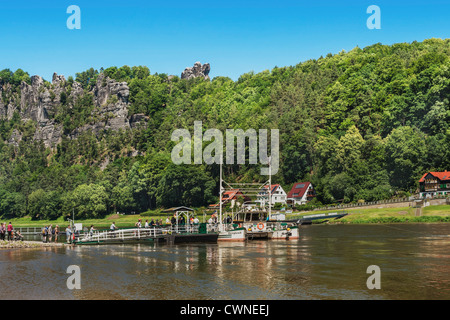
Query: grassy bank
(439, 213)
(121, 221)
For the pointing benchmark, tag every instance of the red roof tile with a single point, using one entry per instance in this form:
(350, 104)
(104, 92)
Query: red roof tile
(299, 189)
(440, 175)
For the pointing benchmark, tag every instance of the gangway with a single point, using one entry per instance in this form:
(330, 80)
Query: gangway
(173, 234)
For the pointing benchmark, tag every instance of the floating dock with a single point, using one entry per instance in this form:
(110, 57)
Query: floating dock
(171, 235)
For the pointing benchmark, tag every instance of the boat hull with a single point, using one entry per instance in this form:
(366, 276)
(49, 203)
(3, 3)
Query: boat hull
(259, 235)
(192, 238)
(235, 235)
(290, 233)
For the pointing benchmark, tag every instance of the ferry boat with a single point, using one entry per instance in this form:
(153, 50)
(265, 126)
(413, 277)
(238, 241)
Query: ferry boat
(258, 226)
(173, 235)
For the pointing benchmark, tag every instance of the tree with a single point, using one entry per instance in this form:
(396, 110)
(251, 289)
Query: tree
(44, 205)
(405, 155)
(88, 201)
(185, 185)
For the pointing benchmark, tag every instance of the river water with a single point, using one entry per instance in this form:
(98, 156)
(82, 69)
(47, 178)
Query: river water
(327, 262)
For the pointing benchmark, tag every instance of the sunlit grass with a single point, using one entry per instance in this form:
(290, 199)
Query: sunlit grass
(439, 213)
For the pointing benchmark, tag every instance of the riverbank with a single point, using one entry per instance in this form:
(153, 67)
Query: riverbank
(4, 244)
(405, 214)
(437, 213)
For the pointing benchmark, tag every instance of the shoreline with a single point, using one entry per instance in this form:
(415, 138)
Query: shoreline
(376, 214)
(5, 244)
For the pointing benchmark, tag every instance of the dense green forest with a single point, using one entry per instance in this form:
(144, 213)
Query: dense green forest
(360, 125)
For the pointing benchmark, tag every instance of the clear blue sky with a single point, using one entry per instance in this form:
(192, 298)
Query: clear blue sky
(235, 37)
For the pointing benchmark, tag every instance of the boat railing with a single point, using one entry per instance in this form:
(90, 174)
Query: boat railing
(136, 233)
(121, 234)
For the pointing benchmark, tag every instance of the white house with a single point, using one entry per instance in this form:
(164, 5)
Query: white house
(277, 195)
(301, 193)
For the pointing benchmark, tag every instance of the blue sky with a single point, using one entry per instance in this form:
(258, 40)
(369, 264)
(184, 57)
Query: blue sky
(235, 37)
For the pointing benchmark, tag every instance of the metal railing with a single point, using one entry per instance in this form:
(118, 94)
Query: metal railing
(136, 233)
(29, 230)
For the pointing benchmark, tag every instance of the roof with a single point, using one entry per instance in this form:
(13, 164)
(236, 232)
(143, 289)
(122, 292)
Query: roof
(298, 188)
(232, 193)
(174, 209)
(440, 175)
(274, 187)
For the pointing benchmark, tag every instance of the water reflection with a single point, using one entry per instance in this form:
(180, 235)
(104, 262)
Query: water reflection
(327, 262)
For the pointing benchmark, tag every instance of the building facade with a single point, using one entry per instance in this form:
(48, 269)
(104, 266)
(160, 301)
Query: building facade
(434, 184)
(277, 195)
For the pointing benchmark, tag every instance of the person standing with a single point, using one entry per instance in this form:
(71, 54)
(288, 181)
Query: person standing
(10, 230)
(50, 233)
(113, 228)
(2, 231)
(44, 234)
(56, 231)
(173, 221)
(69, 234)
(138, 224)
(91, 230)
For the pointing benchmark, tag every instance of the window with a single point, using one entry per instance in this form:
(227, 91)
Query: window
(300, 185)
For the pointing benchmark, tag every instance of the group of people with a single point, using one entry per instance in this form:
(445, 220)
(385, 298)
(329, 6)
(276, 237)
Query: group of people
(7, 232)
(159, 223)
(151, 224)
(49, 233)
(181, 220)
(72, 234)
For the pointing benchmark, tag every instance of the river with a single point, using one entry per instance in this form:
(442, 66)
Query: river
(327, 262)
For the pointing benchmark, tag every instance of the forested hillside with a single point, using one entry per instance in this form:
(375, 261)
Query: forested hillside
(364, 124)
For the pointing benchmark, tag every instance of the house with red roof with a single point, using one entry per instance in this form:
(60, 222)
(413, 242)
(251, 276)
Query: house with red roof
(277, 195)
(301, 193)
(230, 196)
(434, 183)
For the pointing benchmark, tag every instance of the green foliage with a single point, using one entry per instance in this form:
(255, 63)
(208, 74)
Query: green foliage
(87, 200)
(360, 125)
(44, 205)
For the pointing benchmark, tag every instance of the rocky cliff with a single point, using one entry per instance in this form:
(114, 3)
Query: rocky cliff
(198, 70)
(41, 101)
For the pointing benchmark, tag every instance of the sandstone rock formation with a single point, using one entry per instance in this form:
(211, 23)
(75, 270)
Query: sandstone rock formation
(198, 70)
(39, 102)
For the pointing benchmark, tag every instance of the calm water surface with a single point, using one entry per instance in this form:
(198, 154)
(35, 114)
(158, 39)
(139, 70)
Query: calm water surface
(327, 262)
